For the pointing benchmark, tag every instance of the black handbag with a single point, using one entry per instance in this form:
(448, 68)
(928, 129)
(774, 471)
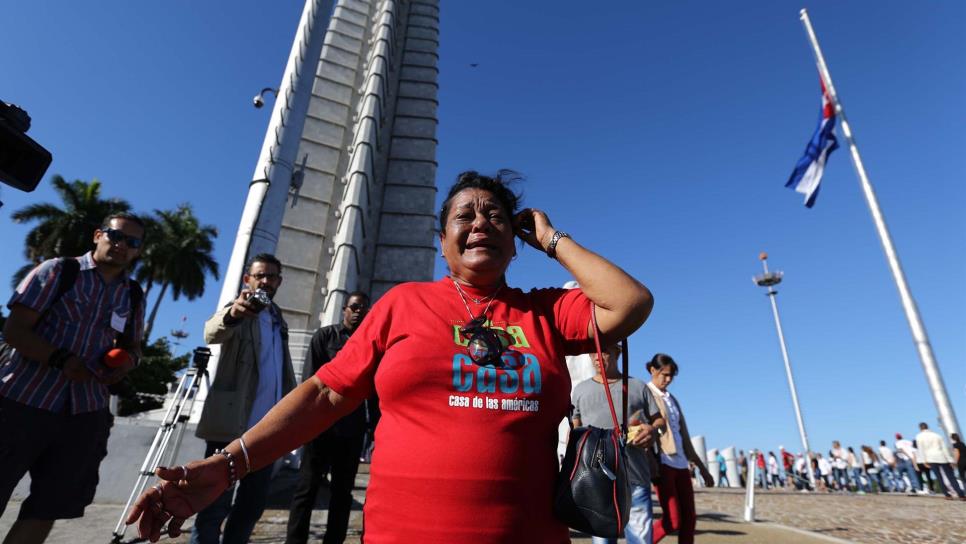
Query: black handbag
(593, 494)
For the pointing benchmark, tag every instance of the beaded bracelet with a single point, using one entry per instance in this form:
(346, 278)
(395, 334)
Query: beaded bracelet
(232, 473)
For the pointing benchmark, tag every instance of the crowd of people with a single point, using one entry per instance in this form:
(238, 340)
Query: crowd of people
(925, 465)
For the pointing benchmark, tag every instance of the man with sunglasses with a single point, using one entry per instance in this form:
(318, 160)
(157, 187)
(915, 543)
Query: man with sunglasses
(54, 419)
(337, 449)
(254, 373)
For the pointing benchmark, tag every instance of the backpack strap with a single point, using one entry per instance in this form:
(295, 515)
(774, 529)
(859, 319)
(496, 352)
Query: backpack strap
(69, 269)
(135, 297)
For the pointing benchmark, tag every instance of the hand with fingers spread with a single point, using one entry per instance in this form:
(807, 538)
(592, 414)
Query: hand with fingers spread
(182, 492)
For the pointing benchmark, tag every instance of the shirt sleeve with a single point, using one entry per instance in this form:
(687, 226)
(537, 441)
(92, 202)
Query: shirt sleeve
(570, 310)
(137, 314)
(352, 372)
(37, 290)
(575, 402)
(311, 365)
(653, 411)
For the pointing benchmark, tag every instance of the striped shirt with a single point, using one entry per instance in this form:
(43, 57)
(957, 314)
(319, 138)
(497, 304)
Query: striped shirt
(86, 320)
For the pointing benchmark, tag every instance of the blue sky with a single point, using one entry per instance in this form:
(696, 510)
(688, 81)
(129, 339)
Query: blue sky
(659, 134)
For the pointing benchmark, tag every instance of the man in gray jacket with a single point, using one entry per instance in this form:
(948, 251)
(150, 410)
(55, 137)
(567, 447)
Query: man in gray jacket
(254, 372)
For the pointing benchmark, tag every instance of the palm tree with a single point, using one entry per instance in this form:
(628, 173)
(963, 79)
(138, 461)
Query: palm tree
(66, 229)
(178, 255)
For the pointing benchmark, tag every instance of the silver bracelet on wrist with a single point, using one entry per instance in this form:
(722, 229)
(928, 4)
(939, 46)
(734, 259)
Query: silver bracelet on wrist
(248, 461)
(552, 246)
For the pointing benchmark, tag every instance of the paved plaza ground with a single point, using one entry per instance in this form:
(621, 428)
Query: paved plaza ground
(783, 517)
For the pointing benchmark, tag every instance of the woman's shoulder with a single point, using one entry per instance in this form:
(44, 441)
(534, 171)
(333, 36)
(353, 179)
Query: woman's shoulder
(407, 290)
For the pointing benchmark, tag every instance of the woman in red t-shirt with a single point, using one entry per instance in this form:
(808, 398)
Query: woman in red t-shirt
(471, 379)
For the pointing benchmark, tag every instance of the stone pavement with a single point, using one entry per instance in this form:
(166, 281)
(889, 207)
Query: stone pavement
(783, 517)
(886, 518)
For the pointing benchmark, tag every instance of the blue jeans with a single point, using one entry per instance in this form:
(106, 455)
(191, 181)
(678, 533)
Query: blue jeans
(887, 480)
(638, 529)
(860, 483)
(761, 478)
(840, 477)
(242, 515)
(904, 466)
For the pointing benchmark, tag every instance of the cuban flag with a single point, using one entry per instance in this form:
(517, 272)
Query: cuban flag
(807, 175)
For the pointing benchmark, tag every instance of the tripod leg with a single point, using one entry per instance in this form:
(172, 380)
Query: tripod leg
(157, 448)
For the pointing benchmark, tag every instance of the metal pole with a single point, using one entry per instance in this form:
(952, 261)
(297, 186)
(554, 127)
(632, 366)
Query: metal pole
(769, 280)
(750, 487)
(936, 386)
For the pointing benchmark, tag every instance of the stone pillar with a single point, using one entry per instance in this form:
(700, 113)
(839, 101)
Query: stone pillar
(363, 218)
(731, 464)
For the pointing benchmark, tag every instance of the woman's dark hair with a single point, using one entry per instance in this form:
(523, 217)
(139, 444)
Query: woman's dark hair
(661, 360)
(499, 185)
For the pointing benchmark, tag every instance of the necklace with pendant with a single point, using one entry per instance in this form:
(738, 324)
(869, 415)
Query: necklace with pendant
(464, 296)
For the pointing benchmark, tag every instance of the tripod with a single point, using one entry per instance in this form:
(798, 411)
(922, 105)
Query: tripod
(174, 423)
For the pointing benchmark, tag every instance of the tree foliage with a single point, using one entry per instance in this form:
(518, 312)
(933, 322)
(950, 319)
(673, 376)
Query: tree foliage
(65, 229)
(178, 256)
(148, 384)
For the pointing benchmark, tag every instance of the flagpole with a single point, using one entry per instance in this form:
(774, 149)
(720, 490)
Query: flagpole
(946, 415)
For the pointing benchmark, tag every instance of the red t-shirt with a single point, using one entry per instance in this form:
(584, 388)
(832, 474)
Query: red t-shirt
(463, 453)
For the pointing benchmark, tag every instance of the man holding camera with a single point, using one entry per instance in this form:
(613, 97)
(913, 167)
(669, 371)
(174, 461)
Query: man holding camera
(66, 317)
(254, 372)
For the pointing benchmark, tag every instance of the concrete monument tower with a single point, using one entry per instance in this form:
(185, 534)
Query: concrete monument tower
(344, 190)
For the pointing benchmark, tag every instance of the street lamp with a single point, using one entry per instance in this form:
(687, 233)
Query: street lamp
(770, 279)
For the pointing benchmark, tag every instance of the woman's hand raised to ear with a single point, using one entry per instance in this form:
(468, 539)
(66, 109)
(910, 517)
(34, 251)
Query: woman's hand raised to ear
(533, 227)
(622, 303)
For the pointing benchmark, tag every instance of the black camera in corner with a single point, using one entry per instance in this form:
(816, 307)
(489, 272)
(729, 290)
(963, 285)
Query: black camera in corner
(23, 162)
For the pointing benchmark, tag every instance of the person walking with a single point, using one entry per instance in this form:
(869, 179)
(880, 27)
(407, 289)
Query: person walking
(65, 315)
(887, 468)
(591, 408)
(787, 465)
(722, 470)
(855, 468)
(959, 455)
(840, 465)
(761, 475)
(936, 457)
(674, 488)
(871, 463)
(906, 464)
(338, 449)
(254, 372)
(800, 473)
(773, 470)
(825, 470)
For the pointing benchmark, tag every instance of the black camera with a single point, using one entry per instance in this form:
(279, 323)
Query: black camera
(23, 162)
(259, 299)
